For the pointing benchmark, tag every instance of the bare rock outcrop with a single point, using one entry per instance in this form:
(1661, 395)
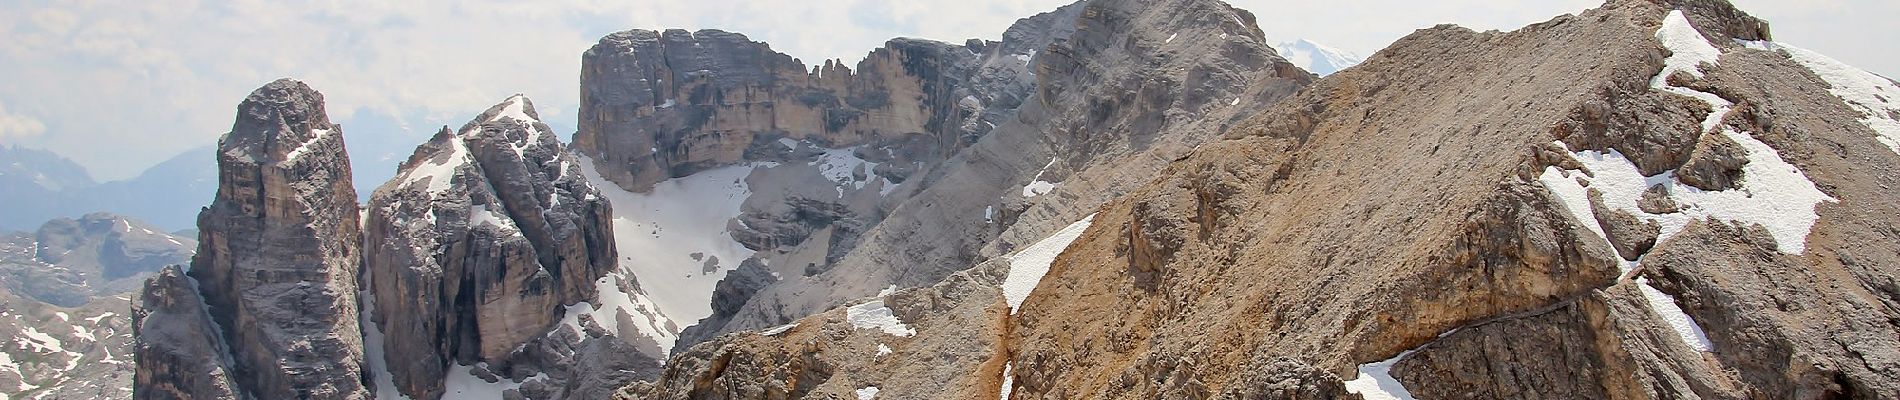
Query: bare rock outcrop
(1121, 90)
(277, 259)
(476, 249)
(1465, 215)
(181, 353)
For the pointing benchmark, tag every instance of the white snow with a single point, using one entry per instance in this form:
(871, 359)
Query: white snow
(80, 331)
(1689, 49)
(1009, 379)
(62, 316)
(1171, 38)
(1027, 267)
(1671, 313)
(373, 350)
(656, 233)
(40, 342)
(95, 320)
(1375, 381)
(837, 166)
(1876, 97)
(775, 331)
(874, 315)
(989, 214)
(315, 136)
(788, 143)
(883, 350)
(1771, 193)
(440, 171)
(1037, 186)
(645, 315)
(867, 393)
(514, 109)
(482, 215)
(461, 383)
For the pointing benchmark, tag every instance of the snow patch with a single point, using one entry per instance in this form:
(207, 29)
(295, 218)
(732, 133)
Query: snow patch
(39, 342)
(883, 350)
(1027, 267)
(788, 143)
(874, 315)
(775, 331)
(373, 350)
(440, 171)
(515, 109)
(1877, 98)
(656, 233)
(462, 383)
(1688, 48)
(867, 393)
(80, 331)
(1037, 186)
(95, 319)
(1671, 313)
(482, 215)
(1009, 380)
(1171, 38)
(316, 135)
(1375, 381)
(646, 316)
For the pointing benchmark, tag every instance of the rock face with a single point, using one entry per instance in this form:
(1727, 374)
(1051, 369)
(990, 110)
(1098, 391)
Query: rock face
(1465, 215)
(478, 246)
(181, 353)
(277, 259)
(1119, 90)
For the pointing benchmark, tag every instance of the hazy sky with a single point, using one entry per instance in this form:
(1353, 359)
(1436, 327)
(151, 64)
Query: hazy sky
(118, 86)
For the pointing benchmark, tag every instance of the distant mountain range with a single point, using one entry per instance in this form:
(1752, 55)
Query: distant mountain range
(38, 185)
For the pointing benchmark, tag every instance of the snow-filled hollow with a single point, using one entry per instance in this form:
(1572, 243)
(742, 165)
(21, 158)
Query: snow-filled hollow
(1027, 267)
(656, 234)
(874, 315)
(1375, 381)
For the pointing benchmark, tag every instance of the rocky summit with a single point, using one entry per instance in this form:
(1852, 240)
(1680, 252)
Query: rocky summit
(1651, 199)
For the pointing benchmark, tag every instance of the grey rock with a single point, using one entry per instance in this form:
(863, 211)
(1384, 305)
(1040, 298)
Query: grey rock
(180, 352)
(279, 251)
(478, 244)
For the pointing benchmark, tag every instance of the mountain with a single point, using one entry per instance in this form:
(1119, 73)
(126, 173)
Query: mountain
(490, 254)
(64, 291)
(168, 194)
(1118, 199)
(278, 261)
(1318, 58)
(975, 140)
(69, 262)
(34, 186)
(1644, 200)
(41, 186)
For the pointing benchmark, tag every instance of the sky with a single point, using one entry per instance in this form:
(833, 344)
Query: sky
(118, 86)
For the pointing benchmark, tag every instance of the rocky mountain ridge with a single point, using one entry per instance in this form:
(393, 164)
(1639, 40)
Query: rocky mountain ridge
(1459, 217)
(1650, 199)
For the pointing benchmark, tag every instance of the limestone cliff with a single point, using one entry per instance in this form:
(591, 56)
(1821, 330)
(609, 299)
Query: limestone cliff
(1126, 87)
(277, 260)
(477, 249)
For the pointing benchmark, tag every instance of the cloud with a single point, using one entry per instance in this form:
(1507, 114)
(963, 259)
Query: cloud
(118, 85)
(15, 127)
